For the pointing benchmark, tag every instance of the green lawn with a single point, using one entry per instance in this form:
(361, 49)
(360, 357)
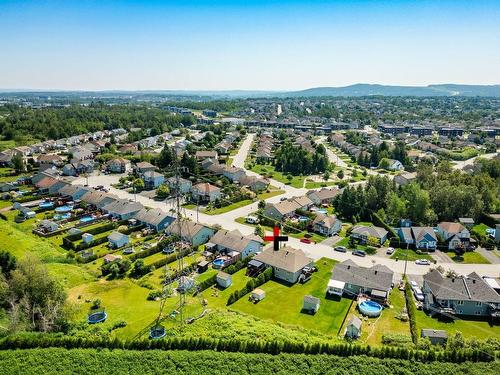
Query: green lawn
(283, 303)
(233, 206)
(319, 184)
(272, 193)
(410, 254)
(470, 257)
(374, 328)
(268, 169)
(469, 328)
(480, 229)
(313, 236)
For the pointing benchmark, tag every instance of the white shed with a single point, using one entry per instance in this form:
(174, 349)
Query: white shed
(258, 294)
(335, 287)
(224, 280)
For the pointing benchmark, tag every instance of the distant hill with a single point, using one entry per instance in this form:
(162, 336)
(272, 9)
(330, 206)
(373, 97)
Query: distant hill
(363, 89)
(359, 89)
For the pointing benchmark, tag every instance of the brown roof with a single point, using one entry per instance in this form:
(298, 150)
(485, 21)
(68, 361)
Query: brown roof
(205, 187)
(286, 258)
(451, 227)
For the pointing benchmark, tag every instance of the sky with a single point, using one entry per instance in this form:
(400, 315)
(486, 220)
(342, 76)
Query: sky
(246, 45)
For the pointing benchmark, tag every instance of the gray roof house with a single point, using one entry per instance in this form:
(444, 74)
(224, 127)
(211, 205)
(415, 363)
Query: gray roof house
(421, 237)
(362, 233)
(436, 336)
(467, 295)
(375, 281)
(323, 196)
(287, 262)
(353, 328)
(154, 218)
(123, 209)
(117, 239)
(229, 241)
(327, 225)
(194, 233)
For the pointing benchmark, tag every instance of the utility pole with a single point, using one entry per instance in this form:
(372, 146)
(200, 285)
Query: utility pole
(406, 258)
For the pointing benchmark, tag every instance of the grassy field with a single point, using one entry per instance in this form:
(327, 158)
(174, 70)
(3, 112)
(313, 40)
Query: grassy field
(410, 254)
(283, 303)
(268, 170)
(469, 257)
(469, 328)
(319, 184)
(480, 229)
(233, 206)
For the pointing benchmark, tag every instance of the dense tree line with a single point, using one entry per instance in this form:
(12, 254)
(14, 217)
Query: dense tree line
(55, 123)
(438, 194)
(296, 160)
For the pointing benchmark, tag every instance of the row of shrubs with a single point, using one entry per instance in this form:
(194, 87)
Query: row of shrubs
(251, 285)
(248, 346)
(412, 312)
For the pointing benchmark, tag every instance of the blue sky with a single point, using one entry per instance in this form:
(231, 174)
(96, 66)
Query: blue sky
(269, 45)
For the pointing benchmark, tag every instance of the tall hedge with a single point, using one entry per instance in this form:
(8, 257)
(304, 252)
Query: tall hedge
(412, 312)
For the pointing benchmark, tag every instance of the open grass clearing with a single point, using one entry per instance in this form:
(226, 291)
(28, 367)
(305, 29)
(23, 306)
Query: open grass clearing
(469, 257)
(410, 255)
(268, 170)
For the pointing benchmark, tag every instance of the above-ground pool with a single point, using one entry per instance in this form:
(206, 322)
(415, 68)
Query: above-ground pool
(157, 332)
(64, 216)
(63, 209)
(303, 218)
(370, 308)
(97, 317)
(322, 211)
(86, 219)
(46, 205)
(218, 263)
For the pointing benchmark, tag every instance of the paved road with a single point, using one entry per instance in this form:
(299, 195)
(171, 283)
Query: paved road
(334, 158)
(316, 251)
(464, 163)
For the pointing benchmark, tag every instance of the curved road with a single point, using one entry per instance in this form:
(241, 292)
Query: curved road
(316, 251)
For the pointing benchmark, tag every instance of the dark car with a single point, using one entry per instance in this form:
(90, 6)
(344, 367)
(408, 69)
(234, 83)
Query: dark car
(340, 249)
(359, 253)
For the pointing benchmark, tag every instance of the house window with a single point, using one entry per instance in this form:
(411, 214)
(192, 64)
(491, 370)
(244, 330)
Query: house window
(478, 303)
(460, 302)
(478, 312)
(460, 311)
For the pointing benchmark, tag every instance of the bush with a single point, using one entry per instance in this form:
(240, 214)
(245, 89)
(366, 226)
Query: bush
(263, 278)
(412, 311)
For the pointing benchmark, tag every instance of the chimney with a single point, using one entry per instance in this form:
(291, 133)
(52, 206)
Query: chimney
(376, 272)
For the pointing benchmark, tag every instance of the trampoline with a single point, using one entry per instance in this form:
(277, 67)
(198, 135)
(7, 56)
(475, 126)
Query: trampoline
(97, 317)
(157, 332)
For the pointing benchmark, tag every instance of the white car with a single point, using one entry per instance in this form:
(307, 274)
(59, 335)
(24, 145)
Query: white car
(390, 251)
(419, 295)
(423, 262)
(252, 220)
(413, 284)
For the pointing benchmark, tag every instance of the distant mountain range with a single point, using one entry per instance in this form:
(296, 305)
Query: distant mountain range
(360, 89)
(363, 89)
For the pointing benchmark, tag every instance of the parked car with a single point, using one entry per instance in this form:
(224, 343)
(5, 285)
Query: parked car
(419, 295)
(340, 249)
(413, 284)
(423, 262)
(390, 251)
(252, 220)
(359, 253)
(305, 240)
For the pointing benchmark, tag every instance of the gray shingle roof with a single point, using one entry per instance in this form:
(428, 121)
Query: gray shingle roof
(377, 277)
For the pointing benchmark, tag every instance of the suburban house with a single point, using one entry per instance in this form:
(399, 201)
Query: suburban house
(350, 279)
(117, 240)
(118, 165)
(52, 159)
(108, 258)
(287, 263)
(122, 209)
(153, 179)
(454, 234)
(362, 233)
(405, 178)
(233, 173)
(467, 222)
(76, 168)
(154, 218)
(228, 241)
(287, 207)
(184, 185)
(254, 183)
(194, 233)
(143, 167)
(76, 192)
(463, 295)
(50, 185)
(224, 280)
(421, 237)
(98, 199)
(326, 225)
(202, 155)
(205, 192)
(395, 165)
(311, 304)
(353, 328)
(323, 196)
